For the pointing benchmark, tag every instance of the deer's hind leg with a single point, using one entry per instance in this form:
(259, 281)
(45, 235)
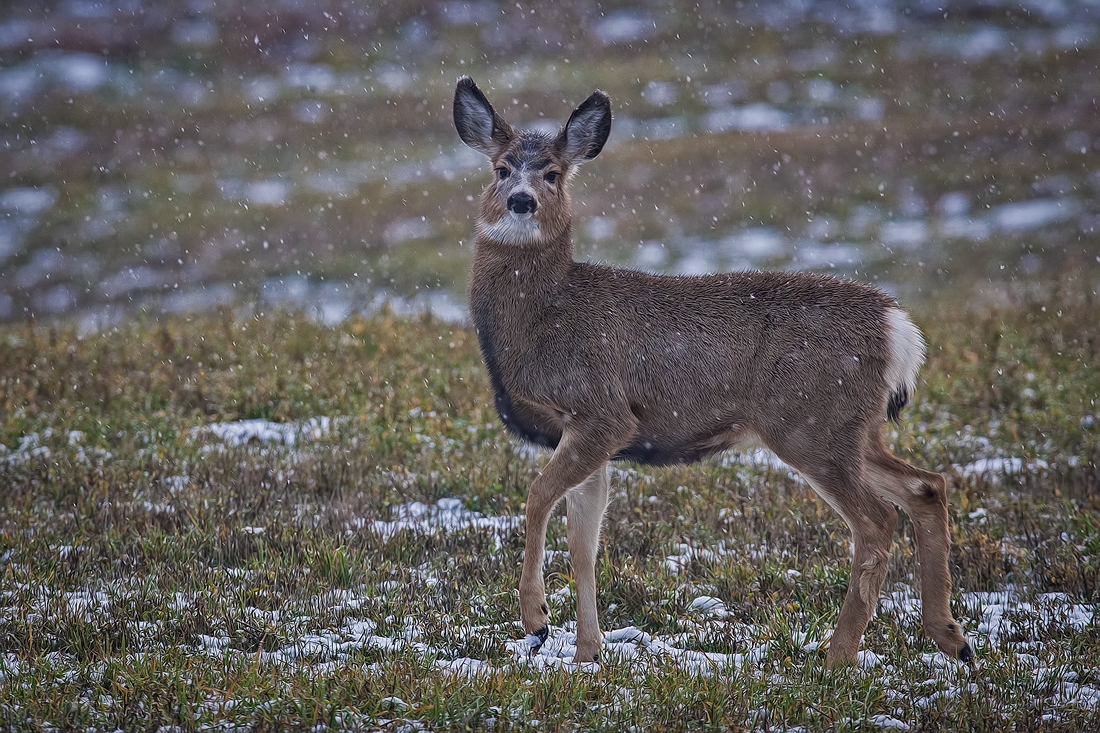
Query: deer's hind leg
(923, 496)
(842, 482)
(872, 521)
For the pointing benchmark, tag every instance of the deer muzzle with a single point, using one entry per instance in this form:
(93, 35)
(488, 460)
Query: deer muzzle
(522, 205)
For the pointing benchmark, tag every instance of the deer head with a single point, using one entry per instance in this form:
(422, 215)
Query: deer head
(528, 202)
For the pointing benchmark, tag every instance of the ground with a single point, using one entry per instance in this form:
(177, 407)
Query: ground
(257, 520)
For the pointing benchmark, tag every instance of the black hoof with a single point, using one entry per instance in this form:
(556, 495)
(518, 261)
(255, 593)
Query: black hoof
(966, 654)
(537, 639)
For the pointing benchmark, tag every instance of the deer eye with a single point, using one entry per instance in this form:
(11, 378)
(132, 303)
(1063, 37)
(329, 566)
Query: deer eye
(502, 173)
(552, 177)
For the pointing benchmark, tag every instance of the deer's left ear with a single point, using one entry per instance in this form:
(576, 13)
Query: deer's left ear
(585, 133)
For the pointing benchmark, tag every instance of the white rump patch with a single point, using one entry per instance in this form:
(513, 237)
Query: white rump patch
(906, 351)
(512, 229)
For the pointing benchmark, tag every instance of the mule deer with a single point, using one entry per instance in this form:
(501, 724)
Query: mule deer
(605, 364)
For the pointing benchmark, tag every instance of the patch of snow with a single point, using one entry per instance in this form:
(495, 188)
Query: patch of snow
(629, 644)
(650, 255)
(663, 128)
(213, 645)
(469, 13)
(259, 431)
(1028, 215)
(758, 117)
(821, 91)
(696, 262)
(628, 633)
(624, 26)
(400, 231)
(131, 279)
(28, 201)
(867, 659)
(82, 72)
(445, 516)
(394, 703)
(1006, 614)
(201, 298)
(870, 109)
(685, 554)
(11, 666)
(954, 203)
(758, 457)
(908, 233)
(963, 227)
(998, 467)
(660, 93)
(756, 243)
(709, 606)
(31, 448)
(312, 77)
(175, 484)
(271, 192)
(817, 254)
(982, 42)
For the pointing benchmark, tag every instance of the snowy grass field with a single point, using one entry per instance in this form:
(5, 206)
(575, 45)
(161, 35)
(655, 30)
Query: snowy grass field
(256, 521)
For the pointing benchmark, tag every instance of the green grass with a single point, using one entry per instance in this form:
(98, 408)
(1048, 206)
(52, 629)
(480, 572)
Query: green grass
(155, 574)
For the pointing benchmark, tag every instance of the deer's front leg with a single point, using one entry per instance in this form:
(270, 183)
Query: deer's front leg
(533, 610)
(585, 506)
(579, 454)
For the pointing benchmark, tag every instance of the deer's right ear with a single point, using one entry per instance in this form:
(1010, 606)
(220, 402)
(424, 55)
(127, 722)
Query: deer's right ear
(477, 122)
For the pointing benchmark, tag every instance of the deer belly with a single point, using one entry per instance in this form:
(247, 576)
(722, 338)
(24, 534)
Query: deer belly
(662, 454)
(672, 450)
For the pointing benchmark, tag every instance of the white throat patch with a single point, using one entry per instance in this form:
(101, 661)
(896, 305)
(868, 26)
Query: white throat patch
(512, 229)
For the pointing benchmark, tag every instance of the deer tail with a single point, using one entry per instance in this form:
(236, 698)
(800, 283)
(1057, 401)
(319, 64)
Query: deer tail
(906, 354)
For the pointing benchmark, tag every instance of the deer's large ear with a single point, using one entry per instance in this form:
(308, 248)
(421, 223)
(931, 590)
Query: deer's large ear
(477, 122)
(585, 133)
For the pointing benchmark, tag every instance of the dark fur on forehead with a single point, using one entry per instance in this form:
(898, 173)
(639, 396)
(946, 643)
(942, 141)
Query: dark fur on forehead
(531, 145)
(532, 141)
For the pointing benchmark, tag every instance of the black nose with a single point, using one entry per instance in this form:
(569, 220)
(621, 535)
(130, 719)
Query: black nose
(522, 203)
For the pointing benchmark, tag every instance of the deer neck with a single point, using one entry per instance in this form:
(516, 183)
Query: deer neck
(519, 279)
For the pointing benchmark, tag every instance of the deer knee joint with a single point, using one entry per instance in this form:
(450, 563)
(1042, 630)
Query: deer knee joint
(873, 572)
(934, 491)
